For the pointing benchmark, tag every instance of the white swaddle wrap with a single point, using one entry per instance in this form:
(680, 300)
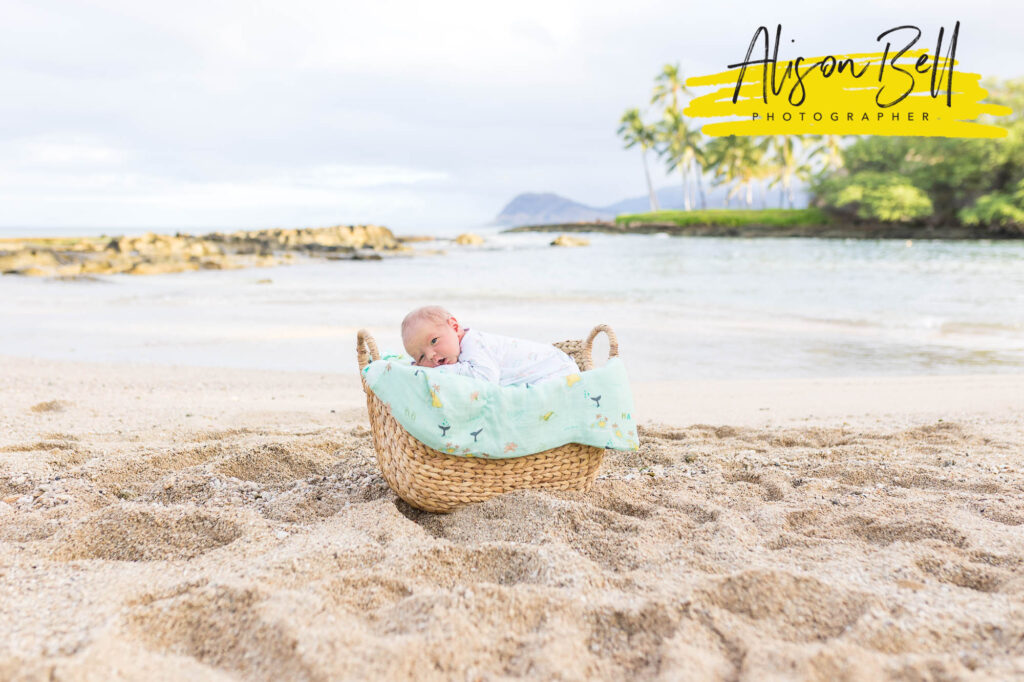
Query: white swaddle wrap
(507, 361)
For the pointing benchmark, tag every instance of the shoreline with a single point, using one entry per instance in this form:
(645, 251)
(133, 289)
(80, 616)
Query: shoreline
(790, 401)
(830, 231)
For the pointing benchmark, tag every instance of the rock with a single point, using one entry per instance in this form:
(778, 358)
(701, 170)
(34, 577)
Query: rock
(469, 239)
(162, 267)
(153, 253)
(12, 262)
(109, 265)
(347, 236)
(43, 258)
(87, 246)
(124, 245)
(33, 271)
(200, 248)
(568, 240)
(373, 236)
(70, 270)
(28, 261)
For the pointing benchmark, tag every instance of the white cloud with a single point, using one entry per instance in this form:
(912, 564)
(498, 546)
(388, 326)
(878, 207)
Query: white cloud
(56, 151)
(406, 112)
(353, 177)
(51, 177)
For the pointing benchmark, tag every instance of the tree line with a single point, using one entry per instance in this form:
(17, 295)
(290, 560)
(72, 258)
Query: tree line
(919, 180)
(743, 164)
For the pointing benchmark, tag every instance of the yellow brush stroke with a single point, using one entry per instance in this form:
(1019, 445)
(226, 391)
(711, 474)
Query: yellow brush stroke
(918, 114)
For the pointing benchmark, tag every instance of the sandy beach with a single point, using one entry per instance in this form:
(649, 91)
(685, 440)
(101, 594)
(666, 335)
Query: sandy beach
(817, 295)
(187, 523)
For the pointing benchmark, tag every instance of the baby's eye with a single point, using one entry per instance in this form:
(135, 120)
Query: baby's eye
(433, 341)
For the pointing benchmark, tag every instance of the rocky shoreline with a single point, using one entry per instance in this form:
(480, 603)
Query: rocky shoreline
(152, 254)
(829, 231)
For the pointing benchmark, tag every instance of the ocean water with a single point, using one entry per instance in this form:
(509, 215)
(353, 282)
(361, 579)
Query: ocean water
(681, 307)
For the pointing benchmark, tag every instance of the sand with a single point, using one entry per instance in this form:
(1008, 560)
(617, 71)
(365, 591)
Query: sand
(210, 524)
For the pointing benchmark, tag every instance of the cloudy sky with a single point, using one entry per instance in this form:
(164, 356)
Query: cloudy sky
(417, 115)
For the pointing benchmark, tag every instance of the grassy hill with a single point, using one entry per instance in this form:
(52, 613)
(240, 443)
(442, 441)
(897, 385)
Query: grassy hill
(767, 217)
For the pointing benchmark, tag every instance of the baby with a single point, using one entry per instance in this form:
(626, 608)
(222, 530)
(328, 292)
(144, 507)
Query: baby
(434, 339)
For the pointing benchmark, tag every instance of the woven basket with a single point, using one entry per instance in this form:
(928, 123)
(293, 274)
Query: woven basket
(438, 482)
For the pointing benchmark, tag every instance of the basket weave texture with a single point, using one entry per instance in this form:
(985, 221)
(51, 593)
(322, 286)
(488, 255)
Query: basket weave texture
(438, 482)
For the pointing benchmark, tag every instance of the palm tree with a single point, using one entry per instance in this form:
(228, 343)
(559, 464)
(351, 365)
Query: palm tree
(829, 149)
(633, 132)
(669, 87)
(669, 90)
(679, 144)
(735, 161)
(751, 167)
(723, 164)
(700, 162)
(786, 165)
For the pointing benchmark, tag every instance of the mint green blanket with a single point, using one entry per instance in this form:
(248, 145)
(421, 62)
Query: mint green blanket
(476, 418)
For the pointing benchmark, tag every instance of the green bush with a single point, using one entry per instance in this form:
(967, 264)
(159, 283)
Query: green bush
(875, 196)
(955, 174)
(1001, 210)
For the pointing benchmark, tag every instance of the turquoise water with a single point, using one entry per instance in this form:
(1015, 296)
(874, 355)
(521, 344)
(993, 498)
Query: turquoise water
(682, 307)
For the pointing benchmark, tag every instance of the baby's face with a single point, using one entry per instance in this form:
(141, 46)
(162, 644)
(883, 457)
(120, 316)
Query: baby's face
(431, 344)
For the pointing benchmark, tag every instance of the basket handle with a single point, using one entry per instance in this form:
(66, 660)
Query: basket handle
(366, 349)
(613, 345)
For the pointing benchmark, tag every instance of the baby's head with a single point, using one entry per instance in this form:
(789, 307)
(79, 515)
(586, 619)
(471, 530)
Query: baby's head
(431, 336)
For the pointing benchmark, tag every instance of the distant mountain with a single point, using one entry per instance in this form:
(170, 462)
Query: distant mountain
(546, 208)
(668, 197)
(536, 209)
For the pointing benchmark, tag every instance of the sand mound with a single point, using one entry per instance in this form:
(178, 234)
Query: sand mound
(137, 533)
(223, 627)
(26, 528)
(797, 608)
(274, 463)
